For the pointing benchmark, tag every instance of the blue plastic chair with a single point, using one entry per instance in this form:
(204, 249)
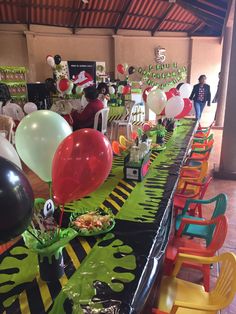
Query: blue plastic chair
(199, 231)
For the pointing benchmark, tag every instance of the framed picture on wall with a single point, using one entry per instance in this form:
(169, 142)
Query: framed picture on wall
(82, 73)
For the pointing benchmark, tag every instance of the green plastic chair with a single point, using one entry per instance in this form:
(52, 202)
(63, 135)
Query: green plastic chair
(203, 140)
(200, 231)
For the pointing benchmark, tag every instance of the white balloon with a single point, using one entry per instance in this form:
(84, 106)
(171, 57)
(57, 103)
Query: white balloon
(111, 90)
(185, 90)
(7, 151)
(174, 106)
(14, 111)
(156, 100)
(51, 61)
(30, 107)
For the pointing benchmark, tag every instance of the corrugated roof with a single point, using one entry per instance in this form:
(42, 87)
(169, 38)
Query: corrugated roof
(201, 16)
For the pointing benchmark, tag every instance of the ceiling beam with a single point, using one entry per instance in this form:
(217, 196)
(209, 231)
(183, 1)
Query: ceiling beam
(123, 14)
(162, 19)
(28, 8)
(202, 15)
(211, 22)
(77, 17)
(206, 8)
(196, 28)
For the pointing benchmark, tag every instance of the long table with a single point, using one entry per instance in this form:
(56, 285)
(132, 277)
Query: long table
(113, 274)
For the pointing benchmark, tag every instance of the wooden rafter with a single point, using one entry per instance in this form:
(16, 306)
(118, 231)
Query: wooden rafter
(196, 27)
(123, 14)
(162, 19)
(211, 22)
(77, 17)
(202, 15)
(28, 8)
(207, 9)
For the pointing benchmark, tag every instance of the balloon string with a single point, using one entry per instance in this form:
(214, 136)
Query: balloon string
(61, 216)
(50, 189)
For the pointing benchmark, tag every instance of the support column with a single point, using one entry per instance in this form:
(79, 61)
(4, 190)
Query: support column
(228, 152)
(31, 56)
(225, 60)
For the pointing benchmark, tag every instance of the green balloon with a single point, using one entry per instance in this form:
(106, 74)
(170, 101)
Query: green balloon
(69, 90)
(79, 90)
(154, 75)
(37, 138)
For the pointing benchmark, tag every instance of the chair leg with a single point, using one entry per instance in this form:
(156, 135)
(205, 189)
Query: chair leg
(206, 277)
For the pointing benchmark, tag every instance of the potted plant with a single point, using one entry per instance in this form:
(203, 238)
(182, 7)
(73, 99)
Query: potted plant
(170, 125)
(160, 134)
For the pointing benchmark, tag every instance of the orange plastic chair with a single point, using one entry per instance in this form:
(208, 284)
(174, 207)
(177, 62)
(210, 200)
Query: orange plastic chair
(186, 245)
(178, 296)
(184, 194)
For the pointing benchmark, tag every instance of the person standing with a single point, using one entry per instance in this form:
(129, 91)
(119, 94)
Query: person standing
(200, 95)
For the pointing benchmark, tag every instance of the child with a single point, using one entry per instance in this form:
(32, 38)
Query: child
(103, 93)
(85, 119)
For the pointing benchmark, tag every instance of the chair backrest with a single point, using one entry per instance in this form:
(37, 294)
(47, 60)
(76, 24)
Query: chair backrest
(104, 115)
(219, 234)
(7, 124)
(223, 293)
(220, 206)
(14, 111)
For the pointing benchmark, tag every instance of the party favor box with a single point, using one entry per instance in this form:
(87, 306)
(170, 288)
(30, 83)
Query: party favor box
(136, 170)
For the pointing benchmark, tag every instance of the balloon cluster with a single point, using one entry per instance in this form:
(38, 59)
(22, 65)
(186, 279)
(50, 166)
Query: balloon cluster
(53, 61)
(124, 68)
(173, 103)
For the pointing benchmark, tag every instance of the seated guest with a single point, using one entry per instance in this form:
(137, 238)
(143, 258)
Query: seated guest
(85, 119)
(103, 92)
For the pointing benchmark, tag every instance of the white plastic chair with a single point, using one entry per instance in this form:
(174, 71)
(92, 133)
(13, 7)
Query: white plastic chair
(104, 114)
(6, 126)
(125, 121)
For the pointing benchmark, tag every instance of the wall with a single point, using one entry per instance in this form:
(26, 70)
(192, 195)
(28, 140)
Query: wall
(22, 47)
(13, 49)
(206, 59)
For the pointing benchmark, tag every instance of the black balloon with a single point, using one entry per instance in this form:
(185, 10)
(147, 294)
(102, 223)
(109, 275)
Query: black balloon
(16, 201)
(57, 59)
(131, 70)
(179, 85)
(50, 85)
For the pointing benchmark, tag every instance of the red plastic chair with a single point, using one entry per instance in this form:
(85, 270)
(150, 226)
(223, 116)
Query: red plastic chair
(181, 197)
(189, 246)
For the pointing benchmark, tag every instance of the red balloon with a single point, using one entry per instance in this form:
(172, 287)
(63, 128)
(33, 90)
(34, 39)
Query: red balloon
(145, 93)
(174, 91)
(169, 94)
(126, 90)
(80, 165)
(187, 108)
(163, 112)
(121, 68)
(63, 85)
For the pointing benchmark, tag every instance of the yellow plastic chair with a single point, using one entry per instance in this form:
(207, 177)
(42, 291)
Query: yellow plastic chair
(178, 296)
(196, 173)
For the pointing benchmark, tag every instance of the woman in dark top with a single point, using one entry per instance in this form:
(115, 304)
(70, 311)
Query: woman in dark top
(201, 95)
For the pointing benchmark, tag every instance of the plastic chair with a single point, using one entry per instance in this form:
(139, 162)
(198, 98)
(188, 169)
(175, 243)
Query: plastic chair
(181, 244)
(183, 223)
(196, 173)
(125, 121)
(178, 296)
(181, 197)
(203, 140)
(104, 114)
(7, 125)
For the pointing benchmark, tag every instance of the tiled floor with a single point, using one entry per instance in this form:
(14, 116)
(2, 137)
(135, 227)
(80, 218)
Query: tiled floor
(216, 187)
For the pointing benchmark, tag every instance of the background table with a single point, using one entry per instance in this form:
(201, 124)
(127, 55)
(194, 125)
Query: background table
(113, 274)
